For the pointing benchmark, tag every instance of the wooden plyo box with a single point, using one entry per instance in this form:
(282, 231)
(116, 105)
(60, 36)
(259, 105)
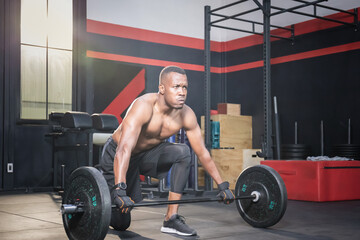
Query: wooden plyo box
(229, 108)
(250, 158)
(235, 131)
(230, 163)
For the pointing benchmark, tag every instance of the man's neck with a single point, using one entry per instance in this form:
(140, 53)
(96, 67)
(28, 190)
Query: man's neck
(162, 108)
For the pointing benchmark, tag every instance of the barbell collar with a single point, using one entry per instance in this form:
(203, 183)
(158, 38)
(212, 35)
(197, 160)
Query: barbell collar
(71, 208)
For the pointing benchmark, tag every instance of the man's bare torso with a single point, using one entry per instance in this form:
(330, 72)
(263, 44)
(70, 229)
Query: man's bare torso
(159, 127)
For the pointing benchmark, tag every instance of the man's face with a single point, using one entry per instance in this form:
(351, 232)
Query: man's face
(175, 89)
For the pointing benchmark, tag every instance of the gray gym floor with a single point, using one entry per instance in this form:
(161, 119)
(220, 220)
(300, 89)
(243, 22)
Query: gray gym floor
(36, 216)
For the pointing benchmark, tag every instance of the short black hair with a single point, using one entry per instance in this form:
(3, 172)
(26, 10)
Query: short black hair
(170, 69)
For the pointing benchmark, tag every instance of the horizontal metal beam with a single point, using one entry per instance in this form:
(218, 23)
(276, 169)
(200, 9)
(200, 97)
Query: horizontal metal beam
(253, 32)
(249, 21)
(315, 16)
(228, 5)
(236, 15)
(327, 7)
(296, 7)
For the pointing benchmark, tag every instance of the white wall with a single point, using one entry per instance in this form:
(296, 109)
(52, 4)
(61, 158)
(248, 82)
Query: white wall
(180, 17)
(186, 17)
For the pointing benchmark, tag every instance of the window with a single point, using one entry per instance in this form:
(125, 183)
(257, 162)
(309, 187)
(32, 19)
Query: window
(46, 57)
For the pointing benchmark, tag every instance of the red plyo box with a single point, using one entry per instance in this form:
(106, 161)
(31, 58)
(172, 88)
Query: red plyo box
(319, 181)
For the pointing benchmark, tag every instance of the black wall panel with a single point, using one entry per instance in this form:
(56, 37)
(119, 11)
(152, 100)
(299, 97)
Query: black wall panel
(317, 40)
(323, 88)
(246, 88)
(32, 157)
(308, 90)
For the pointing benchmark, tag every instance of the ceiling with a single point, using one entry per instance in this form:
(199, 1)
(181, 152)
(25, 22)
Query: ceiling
(185, 17)
(283, 19)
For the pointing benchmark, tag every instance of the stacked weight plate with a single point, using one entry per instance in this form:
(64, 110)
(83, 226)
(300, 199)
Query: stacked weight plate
(295, 151)
(347, 150)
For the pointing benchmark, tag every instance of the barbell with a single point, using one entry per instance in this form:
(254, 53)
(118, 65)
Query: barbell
(261, 200)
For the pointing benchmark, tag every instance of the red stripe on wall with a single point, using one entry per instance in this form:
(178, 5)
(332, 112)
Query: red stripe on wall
(295, 57)
(243, 66)
(127, 96)
(148, 61)
(317, 53)
(148, 35)
(240, 67)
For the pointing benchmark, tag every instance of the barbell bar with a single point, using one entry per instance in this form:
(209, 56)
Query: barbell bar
(79, 207)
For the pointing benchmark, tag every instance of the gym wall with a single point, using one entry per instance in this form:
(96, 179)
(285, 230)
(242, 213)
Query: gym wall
(122, 62)
(314, 79)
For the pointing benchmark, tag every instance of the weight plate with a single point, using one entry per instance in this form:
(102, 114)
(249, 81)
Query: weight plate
(271, 206)
(295, 154)
(87, 187)
(292, 146)
(348, 145)
(296, 151)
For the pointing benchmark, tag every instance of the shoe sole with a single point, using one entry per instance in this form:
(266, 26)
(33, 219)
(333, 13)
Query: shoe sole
(172, 230)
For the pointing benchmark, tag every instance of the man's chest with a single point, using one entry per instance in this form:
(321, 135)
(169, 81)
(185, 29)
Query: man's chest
(162, 127)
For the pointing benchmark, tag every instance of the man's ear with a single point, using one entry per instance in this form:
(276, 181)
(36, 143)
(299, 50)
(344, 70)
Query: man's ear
(161, 89)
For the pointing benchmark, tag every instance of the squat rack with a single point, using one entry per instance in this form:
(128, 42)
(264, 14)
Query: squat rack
(266, 8)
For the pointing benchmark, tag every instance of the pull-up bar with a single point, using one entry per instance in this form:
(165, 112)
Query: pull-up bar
(228, 5)
(296, 7)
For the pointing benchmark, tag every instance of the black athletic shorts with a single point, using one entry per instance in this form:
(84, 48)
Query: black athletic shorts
(155, 162)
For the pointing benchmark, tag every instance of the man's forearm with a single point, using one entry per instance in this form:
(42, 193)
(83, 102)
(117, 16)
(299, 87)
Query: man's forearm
(121, 165)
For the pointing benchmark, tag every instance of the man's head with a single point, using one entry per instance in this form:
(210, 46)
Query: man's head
(173, 86)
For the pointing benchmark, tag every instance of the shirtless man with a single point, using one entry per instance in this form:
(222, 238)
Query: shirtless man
(138, 147)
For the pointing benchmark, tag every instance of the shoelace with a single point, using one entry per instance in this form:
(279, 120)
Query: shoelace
(181, 218)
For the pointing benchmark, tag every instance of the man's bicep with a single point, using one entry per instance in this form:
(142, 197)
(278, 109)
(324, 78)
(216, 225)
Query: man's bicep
(133, 122)
(193, 133)
(196, 140)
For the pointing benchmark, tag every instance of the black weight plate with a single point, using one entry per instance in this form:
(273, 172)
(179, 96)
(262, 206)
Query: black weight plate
(295, 154)
(271, 206)
(88, 187)
(295, 150)
(346, 148)
(292, 146)
(348, 145)
(345, 151)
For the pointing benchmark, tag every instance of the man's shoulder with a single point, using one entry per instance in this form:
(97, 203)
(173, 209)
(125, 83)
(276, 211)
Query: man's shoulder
(148, 98)
(187, 111)
(189, 118)
(142, 107)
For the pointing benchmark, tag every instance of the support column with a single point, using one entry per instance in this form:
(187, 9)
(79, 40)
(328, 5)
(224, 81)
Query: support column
(267, 82)
(207, 89)
(207, 83)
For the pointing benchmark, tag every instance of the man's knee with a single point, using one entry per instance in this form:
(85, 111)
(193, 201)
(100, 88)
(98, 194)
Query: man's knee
(182, 152)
